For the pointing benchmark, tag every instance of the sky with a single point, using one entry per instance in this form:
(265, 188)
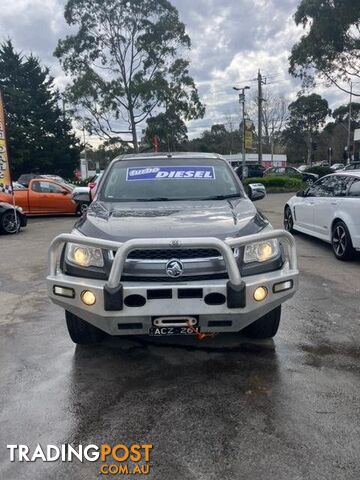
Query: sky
(231, 40)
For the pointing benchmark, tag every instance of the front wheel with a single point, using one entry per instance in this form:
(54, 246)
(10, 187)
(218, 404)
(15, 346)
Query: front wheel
(341, 242)
(82, 208)
(288, 220)
(266, 327)
(82, 332)
(9, 224)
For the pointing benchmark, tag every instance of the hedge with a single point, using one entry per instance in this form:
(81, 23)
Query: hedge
(281, 183)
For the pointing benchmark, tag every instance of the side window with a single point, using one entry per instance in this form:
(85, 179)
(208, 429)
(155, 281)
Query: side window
(46, 187)
(355, 188)
(53, 188)
(317, 189)
(280, 170)
(341, 185)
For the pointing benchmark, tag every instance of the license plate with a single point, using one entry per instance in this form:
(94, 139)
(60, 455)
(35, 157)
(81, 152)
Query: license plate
(168, 331)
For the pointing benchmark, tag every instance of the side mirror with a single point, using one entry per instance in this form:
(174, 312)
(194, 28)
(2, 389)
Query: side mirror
(256, 191)
(301, 193)
(65, 192)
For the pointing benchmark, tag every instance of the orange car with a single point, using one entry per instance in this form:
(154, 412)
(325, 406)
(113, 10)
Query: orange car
(45, 197)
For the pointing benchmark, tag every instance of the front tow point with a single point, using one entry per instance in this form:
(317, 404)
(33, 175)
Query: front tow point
(113, 298)
(236, 295)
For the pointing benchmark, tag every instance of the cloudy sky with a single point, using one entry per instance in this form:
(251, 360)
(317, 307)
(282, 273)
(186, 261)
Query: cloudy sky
(231, 40)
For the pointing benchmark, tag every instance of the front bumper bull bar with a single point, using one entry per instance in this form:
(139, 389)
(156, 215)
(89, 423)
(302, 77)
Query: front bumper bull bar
(110, 309)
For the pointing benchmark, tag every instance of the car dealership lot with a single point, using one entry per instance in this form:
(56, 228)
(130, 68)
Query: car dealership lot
(223, 408)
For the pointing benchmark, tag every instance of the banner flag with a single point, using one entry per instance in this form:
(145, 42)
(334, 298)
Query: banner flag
(5, 174)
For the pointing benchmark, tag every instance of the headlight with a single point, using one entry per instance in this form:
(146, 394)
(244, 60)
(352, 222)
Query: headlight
(84, 256)
(261, 251)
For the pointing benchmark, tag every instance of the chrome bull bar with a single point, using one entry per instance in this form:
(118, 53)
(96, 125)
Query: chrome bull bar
(123, 250)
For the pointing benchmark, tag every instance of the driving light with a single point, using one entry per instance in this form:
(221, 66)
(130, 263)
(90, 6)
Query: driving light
(84, 256)
(260, 294)
(88, 298)
(64, 291)
(261, 251)
(283, 286)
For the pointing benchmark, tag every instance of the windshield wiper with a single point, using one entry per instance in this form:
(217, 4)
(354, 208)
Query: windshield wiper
(155, 199)
(223, 197)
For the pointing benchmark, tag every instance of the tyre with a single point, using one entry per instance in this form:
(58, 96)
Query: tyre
(341, 242)
(9, 224)
(288, 220)
(266, 327)
(82, 208)
(82, 332)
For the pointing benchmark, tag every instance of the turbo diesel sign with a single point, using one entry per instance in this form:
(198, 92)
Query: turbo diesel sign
(173, 173)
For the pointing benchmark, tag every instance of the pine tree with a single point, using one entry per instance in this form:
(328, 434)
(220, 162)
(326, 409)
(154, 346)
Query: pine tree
(40, 138)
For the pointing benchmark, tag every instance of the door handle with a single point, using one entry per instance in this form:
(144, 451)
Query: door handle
(334, 203)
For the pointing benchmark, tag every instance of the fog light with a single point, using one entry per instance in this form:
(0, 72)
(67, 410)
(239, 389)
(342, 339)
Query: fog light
(283, 286)
(88, 298)
(260, 294)
(64, 292)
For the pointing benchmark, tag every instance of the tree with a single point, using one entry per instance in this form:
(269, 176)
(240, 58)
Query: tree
(124, 62)
(40, 138)
(275, 114)
(218, 139)
(170, 128)
(330, 47)
(306, 115)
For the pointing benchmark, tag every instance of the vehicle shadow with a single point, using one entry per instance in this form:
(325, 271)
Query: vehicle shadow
(123, 379)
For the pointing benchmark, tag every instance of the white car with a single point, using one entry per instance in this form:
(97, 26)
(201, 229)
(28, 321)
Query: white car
(329, 210)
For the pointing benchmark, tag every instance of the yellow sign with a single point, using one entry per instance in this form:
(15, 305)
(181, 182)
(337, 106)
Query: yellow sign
(5, 174)
(248, 139)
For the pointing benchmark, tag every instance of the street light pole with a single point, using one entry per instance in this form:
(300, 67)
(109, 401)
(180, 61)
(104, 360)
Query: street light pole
(242, 102)
(349, 126)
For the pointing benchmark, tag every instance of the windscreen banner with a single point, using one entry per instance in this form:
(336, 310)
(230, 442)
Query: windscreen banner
(188, 172)
(5, 175)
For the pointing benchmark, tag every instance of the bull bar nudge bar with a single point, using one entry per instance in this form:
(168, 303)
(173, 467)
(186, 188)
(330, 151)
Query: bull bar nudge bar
(113, 289)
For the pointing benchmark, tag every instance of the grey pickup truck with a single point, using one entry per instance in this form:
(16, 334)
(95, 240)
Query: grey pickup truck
(172, 245)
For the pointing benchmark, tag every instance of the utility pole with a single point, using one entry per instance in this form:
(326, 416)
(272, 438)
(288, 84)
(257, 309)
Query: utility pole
(349, 126)
(261, 82)
(242, 102)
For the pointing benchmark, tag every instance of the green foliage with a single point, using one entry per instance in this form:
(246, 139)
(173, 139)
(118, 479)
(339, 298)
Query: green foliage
(217, 140)
(170, 129)
(124, 62)
(278, 183)
(321, 171)
(39, 138)
(306, 115)
(330, 46)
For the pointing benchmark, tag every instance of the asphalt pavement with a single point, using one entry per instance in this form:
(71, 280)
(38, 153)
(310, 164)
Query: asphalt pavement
(227, 408)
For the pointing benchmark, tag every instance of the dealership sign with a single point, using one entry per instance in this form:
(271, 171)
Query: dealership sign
(5, 175)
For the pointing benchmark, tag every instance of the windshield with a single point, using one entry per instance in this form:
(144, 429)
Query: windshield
(169, 179)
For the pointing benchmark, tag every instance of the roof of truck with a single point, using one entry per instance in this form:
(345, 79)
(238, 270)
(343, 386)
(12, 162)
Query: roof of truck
(190, 155)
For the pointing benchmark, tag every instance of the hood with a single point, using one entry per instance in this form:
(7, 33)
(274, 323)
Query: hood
(123, 221)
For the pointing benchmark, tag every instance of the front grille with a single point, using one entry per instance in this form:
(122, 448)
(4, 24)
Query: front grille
(168, 254)
(189, 278)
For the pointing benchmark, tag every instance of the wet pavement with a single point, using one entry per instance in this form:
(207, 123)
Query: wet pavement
(227, 408)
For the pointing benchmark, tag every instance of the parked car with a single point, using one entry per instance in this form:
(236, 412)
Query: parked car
(253, 171)
(353, 166)
(337, 166)
(84, 195)
(46, 197)
(302, 168)
(329, 210)
(307, 177)
(172, 245)
(10, 224)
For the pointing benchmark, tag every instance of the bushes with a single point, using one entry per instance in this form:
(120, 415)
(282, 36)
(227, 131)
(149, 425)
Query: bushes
(279, 183)
(321, 171)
